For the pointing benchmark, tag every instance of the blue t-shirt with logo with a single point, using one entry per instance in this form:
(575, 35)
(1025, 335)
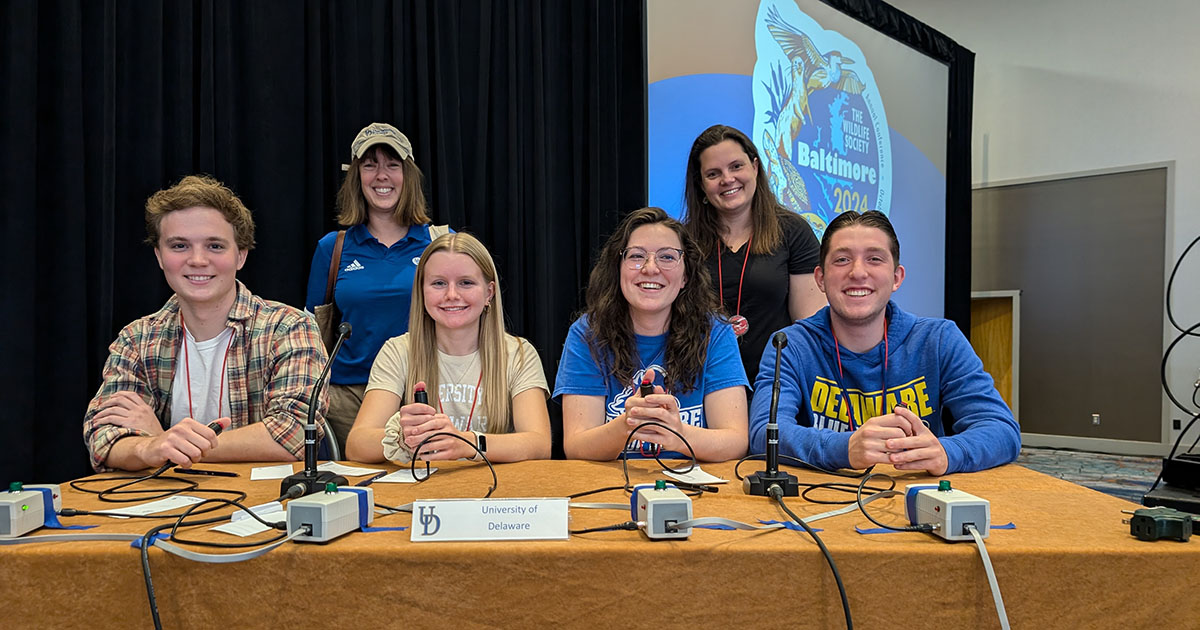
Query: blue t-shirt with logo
(579, 374)
(373, 291)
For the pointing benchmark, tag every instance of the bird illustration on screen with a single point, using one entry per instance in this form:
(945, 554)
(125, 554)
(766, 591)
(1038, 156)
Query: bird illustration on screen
(810, 71)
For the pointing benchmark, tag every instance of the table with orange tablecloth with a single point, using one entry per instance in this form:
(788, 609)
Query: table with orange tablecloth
(1069, 563)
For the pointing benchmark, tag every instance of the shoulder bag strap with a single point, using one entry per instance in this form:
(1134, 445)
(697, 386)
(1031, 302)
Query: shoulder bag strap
(334, 263)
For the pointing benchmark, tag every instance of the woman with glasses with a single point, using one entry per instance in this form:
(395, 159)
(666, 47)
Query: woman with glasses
(760, 255)
(650, 316)
(482, 384)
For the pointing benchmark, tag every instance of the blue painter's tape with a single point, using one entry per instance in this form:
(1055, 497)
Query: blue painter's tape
(364, 509)
(50, 516)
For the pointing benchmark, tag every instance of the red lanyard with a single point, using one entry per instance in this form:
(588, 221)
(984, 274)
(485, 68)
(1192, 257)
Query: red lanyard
(474, 399)
(721, 275)
(187, 368)
(842, 377)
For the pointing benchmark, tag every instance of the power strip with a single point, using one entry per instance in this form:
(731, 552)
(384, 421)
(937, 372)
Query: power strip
(948, 509)
(661, 506)
(330, 514)
(21, 511)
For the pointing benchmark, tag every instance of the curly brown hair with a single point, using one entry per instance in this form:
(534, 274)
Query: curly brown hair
(611, 338)
(200, 191)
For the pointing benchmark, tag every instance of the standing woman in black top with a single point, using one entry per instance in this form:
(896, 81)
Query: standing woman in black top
(761, 255)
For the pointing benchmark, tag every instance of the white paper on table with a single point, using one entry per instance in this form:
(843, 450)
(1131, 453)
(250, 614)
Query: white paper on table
(695, 475)
(242, 524)
(162, 505)
(348, 471)
(270, 472)
(404, 476)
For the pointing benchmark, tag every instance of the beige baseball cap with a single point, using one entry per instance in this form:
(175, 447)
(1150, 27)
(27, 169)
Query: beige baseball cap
(380, 133)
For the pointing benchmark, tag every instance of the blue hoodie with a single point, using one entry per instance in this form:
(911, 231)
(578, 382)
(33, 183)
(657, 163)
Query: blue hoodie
(931, 368)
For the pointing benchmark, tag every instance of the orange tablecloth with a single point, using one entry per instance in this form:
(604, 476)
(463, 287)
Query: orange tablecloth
(1070, 563)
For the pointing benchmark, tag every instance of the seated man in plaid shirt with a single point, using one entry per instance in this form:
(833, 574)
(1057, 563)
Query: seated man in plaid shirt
(214, 352)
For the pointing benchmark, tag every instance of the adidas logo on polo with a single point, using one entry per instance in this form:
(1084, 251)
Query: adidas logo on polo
(354, 266)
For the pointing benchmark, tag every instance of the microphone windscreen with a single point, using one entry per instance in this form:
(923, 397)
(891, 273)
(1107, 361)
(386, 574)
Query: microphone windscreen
(780, 340)
(344, 328)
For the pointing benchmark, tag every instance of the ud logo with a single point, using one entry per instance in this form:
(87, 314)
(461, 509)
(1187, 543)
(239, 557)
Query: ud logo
(430, 522)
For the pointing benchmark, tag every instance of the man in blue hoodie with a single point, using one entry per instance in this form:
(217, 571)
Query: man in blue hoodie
(863, 382)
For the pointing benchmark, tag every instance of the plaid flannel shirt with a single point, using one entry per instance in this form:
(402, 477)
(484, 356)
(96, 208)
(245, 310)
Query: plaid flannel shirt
(275, 358)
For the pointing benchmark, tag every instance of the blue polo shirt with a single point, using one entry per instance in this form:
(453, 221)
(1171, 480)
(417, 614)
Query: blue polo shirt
(374, 291)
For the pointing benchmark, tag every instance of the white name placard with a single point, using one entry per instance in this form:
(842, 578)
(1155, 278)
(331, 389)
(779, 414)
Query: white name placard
(489, 519)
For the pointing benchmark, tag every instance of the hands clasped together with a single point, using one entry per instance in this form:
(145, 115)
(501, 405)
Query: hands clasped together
(658, 407)
(899, 438)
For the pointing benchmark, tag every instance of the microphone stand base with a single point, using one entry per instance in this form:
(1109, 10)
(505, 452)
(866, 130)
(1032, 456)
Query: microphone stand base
(313, 481)
(759, 484)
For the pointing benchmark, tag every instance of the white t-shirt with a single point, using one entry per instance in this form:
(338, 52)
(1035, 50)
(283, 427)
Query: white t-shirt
(209, 387)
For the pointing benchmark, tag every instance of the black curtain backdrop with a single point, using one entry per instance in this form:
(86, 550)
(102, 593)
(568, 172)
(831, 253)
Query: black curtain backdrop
(527, 118)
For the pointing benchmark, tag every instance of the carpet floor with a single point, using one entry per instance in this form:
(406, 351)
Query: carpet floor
(1124, 476)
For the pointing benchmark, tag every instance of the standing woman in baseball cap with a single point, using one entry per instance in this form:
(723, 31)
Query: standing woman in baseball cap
(382, 207)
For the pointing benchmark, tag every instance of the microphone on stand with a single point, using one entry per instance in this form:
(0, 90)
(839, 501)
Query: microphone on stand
(311, 480)
(760, 484)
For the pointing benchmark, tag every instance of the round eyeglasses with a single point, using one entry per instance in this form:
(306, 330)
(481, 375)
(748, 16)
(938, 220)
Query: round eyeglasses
(665, 259)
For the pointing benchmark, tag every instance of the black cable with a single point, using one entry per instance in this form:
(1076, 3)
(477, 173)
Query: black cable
(688, 487)
(1167, 387)
(109, 495)
(154, 531)
(412, 464)
(401, 508)
(800, 463)
(282, 525)
(146, 574)
(657, 453)
(237, 493)
(1189, 332)
(150, 535)
(810, 487)
(1163, 368)
(625, 462)
(777, 494)
(922, 527)
(294, 492)
(1171, 280)
(1175, 447)
(848, 488)
(1195, 403)
(627, 525)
